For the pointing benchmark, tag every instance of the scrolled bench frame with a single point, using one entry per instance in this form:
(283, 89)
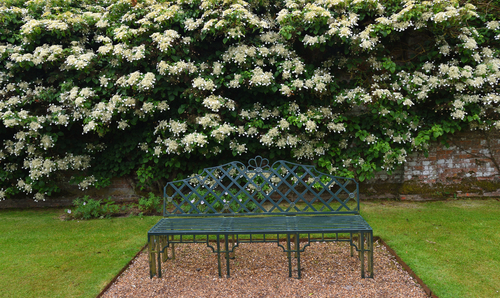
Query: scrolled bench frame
(283, 202)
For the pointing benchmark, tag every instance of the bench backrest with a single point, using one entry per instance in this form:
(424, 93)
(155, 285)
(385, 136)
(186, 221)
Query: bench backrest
(261, 189)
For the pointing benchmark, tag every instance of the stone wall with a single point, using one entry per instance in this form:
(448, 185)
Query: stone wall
(121, 190)
(468, 166)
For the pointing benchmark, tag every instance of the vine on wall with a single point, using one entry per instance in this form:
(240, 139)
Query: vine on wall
(161, 89)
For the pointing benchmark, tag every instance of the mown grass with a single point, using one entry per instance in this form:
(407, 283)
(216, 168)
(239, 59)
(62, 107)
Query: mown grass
(43, 256)
(452, 245)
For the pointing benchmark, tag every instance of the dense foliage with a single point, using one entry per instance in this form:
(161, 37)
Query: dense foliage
(100, 89)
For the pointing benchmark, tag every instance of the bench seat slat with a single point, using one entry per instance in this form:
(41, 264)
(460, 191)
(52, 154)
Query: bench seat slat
(242, 225)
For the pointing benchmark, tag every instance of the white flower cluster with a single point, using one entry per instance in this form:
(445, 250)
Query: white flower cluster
(193, 140)
(142, 82)
(123, 51)
(240, 53)
(261, 78)
(147, 82)
(214, 103)
(391, 158)
(344, 25)
(220, 133)
(166, 39)
(336, 127)
(239, 148)
(86, 182)
(204, 84)
(160, 12)
(177, 68)
(461, 79)
(235, 83)
(176, 127)
(80, 61)
(125, 33)
(39, 167)
(191, 24)
(231, 20)
(35, 26)
(208, 120)
(40, 55)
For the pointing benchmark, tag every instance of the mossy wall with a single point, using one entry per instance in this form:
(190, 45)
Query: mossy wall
(465, 164)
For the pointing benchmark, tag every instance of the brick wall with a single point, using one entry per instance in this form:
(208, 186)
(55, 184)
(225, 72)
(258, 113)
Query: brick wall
(468, 156)
(121, 190)
(467, 166)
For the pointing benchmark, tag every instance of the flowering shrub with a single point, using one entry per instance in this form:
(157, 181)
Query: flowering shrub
(97, 89)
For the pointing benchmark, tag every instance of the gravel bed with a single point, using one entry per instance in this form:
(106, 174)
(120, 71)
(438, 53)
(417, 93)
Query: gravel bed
(261, 270)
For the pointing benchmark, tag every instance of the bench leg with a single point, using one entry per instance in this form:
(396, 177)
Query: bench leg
(359, 245)
(350, 245)
(152, 256)
(233, 253)
(218, 255)
(158, 253)
(297, 254)
(173, 248)
(362, 253)
(370, 253)
(288, 248)
(161, 240)
(297, 241)
(294, 240)
(163, 243)
(226, 238)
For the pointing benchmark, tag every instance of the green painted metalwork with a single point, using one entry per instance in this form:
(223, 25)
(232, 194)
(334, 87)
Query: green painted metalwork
(280, 200)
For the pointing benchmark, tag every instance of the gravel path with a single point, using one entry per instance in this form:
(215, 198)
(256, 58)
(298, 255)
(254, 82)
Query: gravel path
(261, 270)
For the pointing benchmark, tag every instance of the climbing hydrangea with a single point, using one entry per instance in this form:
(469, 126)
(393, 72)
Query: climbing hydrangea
(90, 90)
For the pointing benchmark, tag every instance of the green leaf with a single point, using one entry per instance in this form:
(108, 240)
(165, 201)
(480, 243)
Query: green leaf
(362, 177)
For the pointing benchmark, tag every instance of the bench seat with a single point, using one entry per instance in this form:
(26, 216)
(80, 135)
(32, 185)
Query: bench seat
(161, 236)
(259, 225)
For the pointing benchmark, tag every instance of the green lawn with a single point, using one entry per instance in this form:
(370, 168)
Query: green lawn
(454, 246)
(42, 256)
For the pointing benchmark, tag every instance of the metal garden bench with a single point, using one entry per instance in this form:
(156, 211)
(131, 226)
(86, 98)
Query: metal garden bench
(282, 203)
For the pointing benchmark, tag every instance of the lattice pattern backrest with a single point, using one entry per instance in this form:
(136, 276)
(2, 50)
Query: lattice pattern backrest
(261, 188)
